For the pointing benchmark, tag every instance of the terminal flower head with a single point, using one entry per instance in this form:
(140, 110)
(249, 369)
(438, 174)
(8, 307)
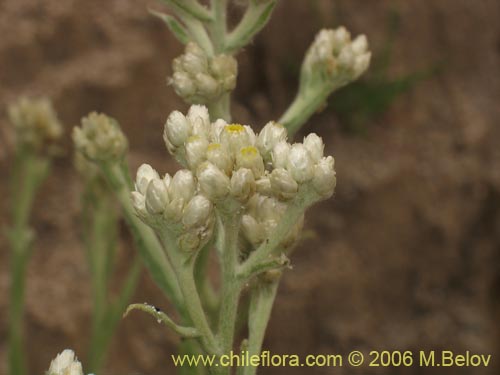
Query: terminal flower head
(335, 59)
(99, 138)
(201, 79)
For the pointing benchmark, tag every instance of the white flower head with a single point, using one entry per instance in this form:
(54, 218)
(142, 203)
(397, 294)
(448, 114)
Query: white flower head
(220, 157)
(182, 186)
(156, 196)
(299, 163)
(196, 151)
(279, 154)
(199, 118)
(197, 212)
(214, 183)
(145, 174)
(252, 230)
(242, 184)
(283, 184)
(65, 363)
(177, 129)
(270, 135)
(249, 157)
(234, 137)
(314, 144)
(324, 179)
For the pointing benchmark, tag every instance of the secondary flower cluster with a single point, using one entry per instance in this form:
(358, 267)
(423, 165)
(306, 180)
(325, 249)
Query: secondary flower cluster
(334, 56)
(198, 78)
(263, 172)
(100, 138)
(35, 121)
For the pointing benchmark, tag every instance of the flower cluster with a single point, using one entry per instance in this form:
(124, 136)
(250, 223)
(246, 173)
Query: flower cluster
(336, 58)
(35, 121)
(174, 200)
(65, 363)
(201, 79)
(100, 138)
(229, 162)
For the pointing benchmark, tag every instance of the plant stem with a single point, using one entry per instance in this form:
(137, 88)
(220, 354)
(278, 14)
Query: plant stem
(184, 271)
(148, 245)
(302, 108)
(219, 26)
(231, 286)
(16, 313)
(261, 305)
(28, 173)
(221, 108)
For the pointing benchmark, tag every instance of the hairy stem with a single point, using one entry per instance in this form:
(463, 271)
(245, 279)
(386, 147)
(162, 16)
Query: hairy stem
(302, 108)
(261, 305)
(231, 286)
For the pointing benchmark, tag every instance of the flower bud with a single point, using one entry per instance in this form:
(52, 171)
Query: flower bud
(35, 121)
(269, 137)
(182, 186)
(100, 138)
(177, 129)
(263, 186)
(280, 154)
(252, 230)
(199, 118)
(242, 184)
(207, 85)
(199, 78)
(184, 86)
(282, 184)
(314, 144)
(139, 203)
(324, 179)
(145, 174)
(196, 149)
(197, 212)
(65, 363)
(216, 130)
(219, 157)
(249, 157)
(214, 183)
(334, 60)
(299, 163)
(234, 137)
(156, 197)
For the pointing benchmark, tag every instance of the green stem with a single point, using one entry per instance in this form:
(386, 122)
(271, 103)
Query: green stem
(302, 108)
(184, 271)
(261, 305)
(221, 108)
(219, 25)
(16, 313)
(148, 245)
(29, 172)
(231, 287)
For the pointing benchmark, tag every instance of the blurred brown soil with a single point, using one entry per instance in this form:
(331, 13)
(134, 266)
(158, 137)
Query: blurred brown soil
(406, 257)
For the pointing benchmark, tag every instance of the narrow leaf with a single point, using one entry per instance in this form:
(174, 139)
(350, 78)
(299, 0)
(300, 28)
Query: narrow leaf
(174, 26)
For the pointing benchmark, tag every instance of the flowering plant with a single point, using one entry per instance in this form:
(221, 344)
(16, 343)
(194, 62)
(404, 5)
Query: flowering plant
(241, 195)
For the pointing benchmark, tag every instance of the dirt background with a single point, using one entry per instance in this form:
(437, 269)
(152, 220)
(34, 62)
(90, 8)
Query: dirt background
(406, 257)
